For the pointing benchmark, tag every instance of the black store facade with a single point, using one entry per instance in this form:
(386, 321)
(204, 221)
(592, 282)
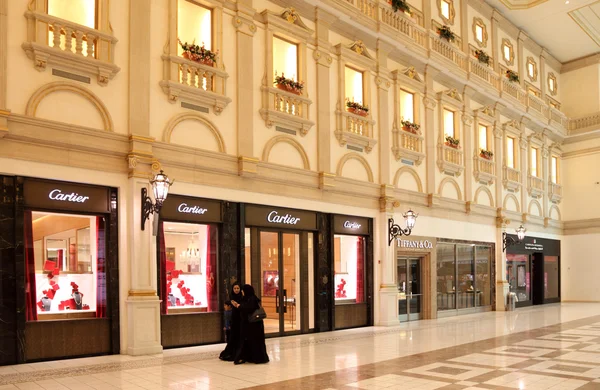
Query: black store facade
(533, 270)
(197, 252)
(59, 261)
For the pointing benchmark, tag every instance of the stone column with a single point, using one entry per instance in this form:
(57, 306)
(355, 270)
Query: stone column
(429, 101)
(244, 52)
(469, 139)
(388, 291)
(524, 172)
(324, 60)
(546, 161)
(465, 25)
(521, 59)
(502, 286)
(499, 156)
(493, 39)
(385, 141)
(142, 333)
(542, 75)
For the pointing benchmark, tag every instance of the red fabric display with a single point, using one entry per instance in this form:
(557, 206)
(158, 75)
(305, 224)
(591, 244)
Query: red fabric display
(40, 305)
(175, 273)
(170, 265)
(85, 306)
(54, 285)
(49, 265)
(340, 292)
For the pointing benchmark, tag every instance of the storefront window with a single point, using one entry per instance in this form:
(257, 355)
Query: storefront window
(188, 258)
(551, 281)
(483, 276)
(349, 259)
(518, 276)
(446, 285)
(466, 276)
(65, 266)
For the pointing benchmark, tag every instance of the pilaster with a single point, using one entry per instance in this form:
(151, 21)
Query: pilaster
(244, 50)
(502, 286)
(499, 154)
(520, 62)
(464, 25)
(382, 80)
(429, 101)
(142, 303)
(388, 291)
(494, 40)
(323, 59)
(468, 138)
(524, 171)
(3, 55)
(546, 176)
(542, 75)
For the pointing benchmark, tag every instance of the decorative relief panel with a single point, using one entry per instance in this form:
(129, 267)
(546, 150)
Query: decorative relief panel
(69, 46)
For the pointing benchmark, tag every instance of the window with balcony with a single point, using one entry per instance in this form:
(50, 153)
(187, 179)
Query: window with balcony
(483, 138)
(285, 59)
(194, 24)
(446, 11)
(408, 135)
(79, 38)
(354, 85)
(449, 125)
(192, 71)
(554, 170)
(534, 162)
(407, 106)
(510, 153)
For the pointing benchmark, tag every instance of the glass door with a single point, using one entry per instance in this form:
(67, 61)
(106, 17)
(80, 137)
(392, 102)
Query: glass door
(280, 270)
(409, 289)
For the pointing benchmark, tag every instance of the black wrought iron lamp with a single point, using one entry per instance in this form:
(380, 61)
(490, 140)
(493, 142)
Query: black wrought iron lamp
(510, 241)
(160, 187)
(396, 230)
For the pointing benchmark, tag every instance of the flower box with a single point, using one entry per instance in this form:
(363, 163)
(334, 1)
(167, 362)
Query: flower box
(285, 87)
(357, 111)
(486, 154)
(512, 76)
(198, 54)
(446, 33)
(482, 57)
(289, 85)
(410, 127)
(452, 142)
(400, 5)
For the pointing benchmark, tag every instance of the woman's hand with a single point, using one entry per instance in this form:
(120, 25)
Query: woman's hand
(235, 304)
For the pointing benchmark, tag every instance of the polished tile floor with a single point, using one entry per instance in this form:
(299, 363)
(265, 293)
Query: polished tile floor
(553, 347)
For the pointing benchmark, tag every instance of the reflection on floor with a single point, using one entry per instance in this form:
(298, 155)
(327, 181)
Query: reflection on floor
(555, 347)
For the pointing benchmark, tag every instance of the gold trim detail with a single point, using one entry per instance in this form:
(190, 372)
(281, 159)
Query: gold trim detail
(177, 119)
(142, 293)
(478, 22)
(522, 4)
(354, 156)
(553, 91)
(290, 141)
(506, 43)
(534, 76)
(450, 19)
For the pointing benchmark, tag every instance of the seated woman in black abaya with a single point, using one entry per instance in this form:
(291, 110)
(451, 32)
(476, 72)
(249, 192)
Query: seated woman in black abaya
(252, 336)
(233, 342)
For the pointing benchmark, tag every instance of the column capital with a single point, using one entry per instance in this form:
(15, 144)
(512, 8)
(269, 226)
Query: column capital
(429, 102)
(387, 201)
(382, 82)
(322, 58)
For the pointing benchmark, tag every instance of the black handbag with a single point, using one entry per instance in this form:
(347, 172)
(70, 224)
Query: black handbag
(258, 315)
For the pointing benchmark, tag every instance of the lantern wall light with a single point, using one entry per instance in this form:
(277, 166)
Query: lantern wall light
(395, 230)
(160, 187)
(510, 241)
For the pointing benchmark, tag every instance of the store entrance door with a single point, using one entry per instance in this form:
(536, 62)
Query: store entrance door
(282, 258)
(409, 289)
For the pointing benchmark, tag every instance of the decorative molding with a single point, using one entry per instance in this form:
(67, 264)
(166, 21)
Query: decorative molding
(67, 86)
(411, 172)
(291, 16)
(449, 180)
(552, 81)
(189, 116)
(485, 190)
(478, 22)
(537, 204)
(354, 156)
(514, 198)
(522, 4)
(451, 10)
(510, 61)
(287, 140)
(533, 75)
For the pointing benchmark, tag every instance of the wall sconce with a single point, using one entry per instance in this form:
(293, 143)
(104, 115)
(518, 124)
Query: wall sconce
(395, 230)
(160, 187)
(509, 241)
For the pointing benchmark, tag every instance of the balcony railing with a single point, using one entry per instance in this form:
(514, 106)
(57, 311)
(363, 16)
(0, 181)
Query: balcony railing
(514, 90)
(409, 146)
(558, 118)
(64, 44)
(485, 73)
(585, 122)
(512, 178)
(286, 109)
(195, 83)
(355, 130)
(448, 51)
(554, 192)
(450, 159)
(485, 170)
(535, 186)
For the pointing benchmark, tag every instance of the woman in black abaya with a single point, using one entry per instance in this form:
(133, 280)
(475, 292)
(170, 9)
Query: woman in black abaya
(233, 342)
(252, 336)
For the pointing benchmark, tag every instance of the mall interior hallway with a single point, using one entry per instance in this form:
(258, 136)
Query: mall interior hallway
(551, 347)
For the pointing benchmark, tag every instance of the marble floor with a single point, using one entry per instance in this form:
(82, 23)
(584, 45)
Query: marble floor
(552, 347)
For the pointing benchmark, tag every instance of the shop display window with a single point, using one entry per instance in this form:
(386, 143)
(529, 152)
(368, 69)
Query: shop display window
(349, 263)
(551, 281)
(65, 266)
(518, 275)
(483, 276)
(466, 277)
(188, 266)
(446, 283)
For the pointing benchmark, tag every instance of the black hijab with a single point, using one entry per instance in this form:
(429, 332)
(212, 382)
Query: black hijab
(233, 296)
(248, 292)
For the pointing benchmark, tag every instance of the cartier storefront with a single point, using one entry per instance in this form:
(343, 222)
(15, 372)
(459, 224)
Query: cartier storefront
(60, 270)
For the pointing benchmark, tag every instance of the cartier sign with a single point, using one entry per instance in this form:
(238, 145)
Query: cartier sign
(278, 217)
(414, 244)
(343, 224)
(185, 208)
(46, 194)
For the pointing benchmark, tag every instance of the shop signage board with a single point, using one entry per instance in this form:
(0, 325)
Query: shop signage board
(408, 243)
(343, 224)
(56, 195)
(277, 217)
(187, 208)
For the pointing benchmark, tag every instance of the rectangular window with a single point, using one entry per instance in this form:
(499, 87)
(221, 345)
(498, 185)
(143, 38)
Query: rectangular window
(510, 152)
(82, 12)
(519, 276)
(65, 265)
(479, 33)
(285, 58)
(449, 123)
(506, 52)
(466, 276)
(188, 258)
(483, 141)
(483, 293)
(354, 85)
(531, 69)
(446, 281)
(445, 9)
(554, 170)
(534, 162)
(349, 263)
(407, 106)
(194, 24)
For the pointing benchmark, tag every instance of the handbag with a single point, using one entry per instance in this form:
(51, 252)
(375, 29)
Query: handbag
(258, 315)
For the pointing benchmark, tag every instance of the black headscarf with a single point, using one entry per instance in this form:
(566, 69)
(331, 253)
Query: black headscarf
(233, 296)
(248, 291)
